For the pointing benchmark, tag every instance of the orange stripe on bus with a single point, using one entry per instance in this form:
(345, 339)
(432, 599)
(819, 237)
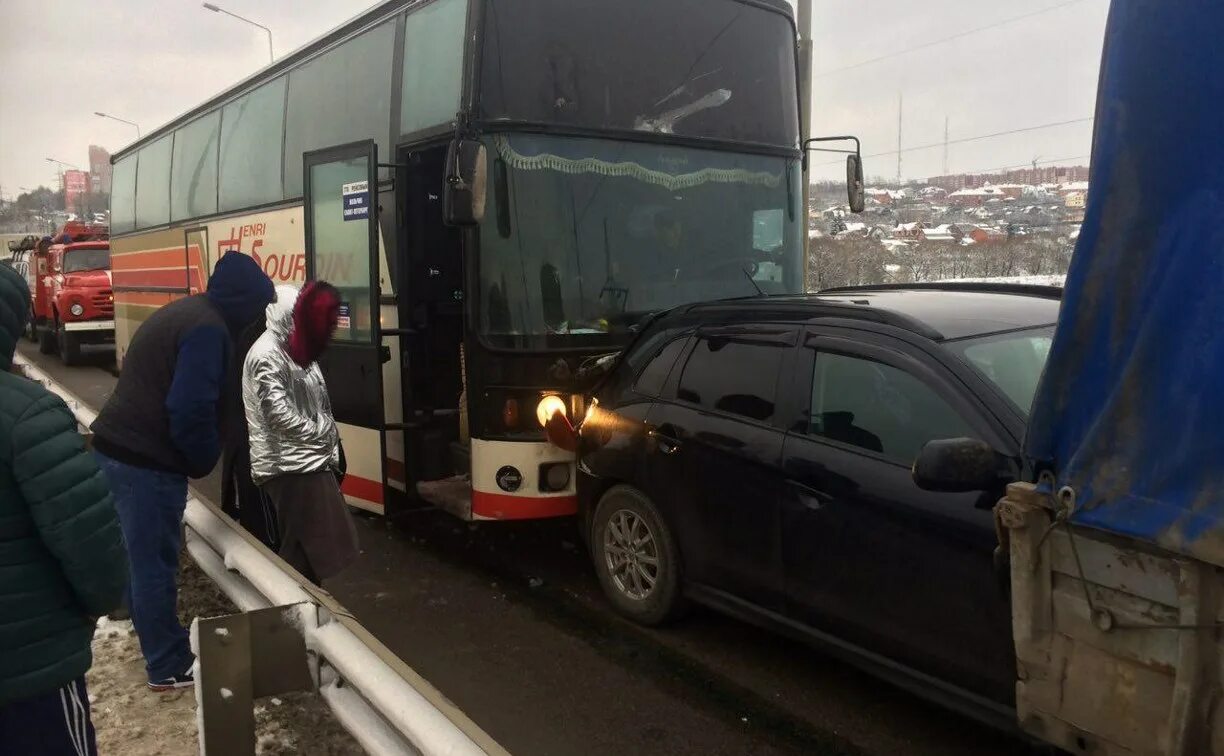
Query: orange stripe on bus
(163, 277)
(153, 259)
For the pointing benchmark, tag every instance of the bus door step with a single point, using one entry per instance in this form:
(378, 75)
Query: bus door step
(452, 495)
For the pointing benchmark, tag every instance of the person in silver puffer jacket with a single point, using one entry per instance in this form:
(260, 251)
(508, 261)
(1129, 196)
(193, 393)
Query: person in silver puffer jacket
(295, 446)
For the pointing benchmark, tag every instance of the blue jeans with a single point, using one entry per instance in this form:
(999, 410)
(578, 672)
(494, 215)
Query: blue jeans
(150, 504)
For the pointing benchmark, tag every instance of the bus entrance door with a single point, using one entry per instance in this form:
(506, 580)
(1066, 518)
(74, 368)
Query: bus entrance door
(431, 308)
(340, 209)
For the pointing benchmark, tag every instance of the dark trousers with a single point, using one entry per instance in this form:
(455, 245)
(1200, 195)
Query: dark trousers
(150, 505)
(317, 536)
(51, 724)
(244, 501)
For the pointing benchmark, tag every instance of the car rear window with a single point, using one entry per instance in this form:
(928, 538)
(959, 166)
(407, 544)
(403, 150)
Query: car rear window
(654, 375)
(729, 375)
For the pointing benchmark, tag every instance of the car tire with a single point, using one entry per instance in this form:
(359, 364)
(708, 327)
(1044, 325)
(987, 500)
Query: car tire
(69, 346)
(46, 339)
(635, 557)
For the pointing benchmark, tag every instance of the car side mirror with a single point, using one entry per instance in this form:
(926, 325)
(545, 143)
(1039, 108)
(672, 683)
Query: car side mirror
(854, 183)
(958, 465)
(466, 183)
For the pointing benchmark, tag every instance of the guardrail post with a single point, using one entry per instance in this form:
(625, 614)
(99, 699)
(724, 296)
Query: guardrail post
(243, 657)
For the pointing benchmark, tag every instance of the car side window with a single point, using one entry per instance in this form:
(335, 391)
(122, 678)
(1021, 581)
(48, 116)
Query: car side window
(650, 381)
(878, 407)
(739, 377)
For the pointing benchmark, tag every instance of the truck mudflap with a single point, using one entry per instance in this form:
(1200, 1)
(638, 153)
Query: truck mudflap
(1117, 640)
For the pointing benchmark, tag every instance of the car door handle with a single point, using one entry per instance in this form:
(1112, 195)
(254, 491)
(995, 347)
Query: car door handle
(810, 497)
(665, 443)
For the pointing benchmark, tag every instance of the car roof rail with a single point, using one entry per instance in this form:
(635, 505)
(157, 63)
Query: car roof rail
(1031, 290)
(810, 307)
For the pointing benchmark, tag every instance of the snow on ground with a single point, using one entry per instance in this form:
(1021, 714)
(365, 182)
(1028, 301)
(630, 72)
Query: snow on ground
(133, 721)
(1048, 280)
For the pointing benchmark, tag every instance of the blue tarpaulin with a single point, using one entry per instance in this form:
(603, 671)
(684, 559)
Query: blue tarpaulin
(1130, 411)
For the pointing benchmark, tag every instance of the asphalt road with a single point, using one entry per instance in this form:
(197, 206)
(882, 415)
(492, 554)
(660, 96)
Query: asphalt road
(508, 621)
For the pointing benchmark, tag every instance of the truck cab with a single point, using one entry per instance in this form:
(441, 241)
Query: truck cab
(73, 301)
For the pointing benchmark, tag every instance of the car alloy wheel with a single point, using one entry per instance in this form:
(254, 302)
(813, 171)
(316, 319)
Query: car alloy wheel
(631, 554)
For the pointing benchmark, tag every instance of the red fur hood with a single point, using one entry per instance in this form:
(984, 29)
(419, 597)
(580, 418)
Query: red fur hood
(314, 320)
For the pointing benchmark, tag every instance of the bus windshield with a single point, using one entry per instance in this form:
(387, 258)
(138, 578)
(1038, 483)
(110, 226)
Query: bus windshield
(718, 69)
(80, 260)
(584, 237)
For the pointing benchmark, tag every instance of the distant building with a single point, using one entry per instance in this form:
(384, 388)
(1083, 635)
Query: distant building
(1014, 191)
(975, 197)
(99, 170)
(74, 184)
(986, 235)
(946, 232)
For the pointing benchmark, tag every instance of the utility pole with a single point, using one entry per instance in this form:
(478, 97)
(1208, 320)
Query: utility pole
(945, 164)
(900, 111)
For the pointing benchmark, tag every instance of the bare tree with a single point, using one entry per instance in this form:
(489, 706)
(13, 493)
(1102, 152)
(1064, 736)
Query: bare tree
(850, 260)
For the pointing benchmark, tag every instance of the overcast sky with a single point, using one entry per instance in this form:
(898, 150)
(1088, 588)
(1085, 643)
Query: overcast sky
(61, 60)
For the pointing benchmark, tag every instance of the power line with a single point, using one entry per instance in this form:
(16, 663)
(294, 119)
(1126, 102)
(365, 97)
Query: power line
(976, 138)
(942, 40)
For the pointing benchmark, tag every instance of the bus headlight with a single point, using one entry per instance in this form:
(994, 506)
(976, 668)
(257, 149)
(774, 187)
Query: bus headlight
(77, 309)
(549, 406)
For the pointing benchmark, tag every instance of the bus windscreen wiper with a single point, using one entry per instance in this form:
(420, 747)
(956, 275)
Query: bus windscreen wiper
(666, 121)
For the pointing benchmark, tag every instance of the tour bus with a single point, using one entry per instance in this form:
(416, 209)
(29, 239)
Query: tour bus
(502, 190)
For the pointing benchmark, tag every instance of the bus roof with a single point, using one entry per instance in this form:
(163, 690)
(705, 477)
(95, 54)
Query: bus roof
(375, 14)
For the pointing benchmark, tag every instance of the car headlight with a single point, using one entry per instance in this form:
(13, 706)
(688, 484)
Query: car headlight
(77, 309)
(549, 406)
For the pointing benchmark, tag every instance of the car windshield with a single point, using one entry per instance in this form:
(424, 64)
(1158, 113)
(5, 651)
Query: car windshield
(78, 260)
(584, 237)
(1012, 361)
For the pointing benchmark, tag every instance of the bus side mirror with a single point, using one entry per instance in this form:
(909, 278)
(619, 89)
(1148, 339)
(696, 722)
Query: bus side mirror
(466, 183)
(854, 183)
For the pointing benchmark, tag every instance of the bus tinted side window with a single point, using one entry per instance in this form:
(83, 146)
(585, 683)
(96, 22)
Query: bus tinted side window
(193, 180)
(251, 129)
(153, 184)
(123, 195)
(339, 97)
(433, 65)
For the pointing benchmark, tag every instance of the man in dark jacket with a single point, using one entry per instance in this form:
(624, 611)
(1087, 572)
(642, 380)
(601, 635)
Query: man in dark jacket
(61, 556)
(163, 424)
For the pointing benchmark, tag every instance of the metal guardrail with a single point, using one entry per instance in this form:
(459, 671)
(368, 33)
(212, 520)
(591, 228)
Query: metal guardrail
(386, 706)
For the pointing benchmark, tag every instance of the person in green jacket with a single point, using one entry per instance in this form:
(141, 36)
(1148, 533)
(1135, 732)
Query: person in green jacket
(62, 559)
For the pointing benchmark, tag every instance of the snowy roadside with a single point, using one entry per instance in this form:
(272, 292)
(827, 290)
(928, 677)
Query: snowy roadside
(132, 721)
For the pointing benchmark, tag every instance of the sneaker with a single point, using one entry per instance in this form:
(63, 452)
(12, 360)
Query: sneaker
(184, 680)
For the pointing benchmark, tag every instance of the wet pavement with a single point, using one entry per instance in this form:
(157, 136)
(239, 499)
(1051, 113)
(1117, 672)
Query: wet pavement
(508, 621)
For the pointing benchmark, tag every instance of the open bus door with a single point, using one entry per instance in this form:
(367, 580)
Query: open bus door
(340, 208)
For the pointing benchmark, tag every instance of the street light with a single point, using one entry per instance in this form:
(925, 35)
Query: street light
(120, 120)
(268, 31)
(62, 163)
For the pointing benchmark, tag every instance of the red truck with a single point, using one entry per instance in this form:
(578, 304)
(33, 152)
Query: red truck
(70, 291)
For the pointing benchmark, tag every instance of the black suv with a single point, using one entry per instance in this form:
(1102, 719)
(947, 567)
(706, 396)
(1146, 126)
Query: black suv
(755, 456)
